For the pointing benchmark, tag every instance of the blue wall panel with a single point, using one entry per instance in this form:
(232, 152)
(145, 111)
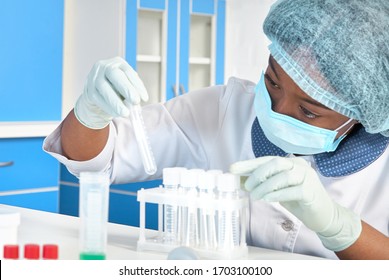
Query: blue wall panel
(31, 34)
(131, 31)
(184, 43)
(220, 41)
(45, 201)
(206, 7)
(153, 4)
(32, 167)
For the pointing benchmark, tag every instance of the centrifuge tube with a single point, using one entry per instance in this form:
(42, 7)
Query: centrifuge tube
(142, 138)
(189, 181)
(94, 190)
(207, 228)
(228, 219)
(171, 180)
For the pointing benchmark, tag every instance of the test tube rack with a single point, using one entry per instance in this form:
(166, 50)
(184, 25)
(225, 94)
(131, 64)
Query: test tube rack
(163, 197)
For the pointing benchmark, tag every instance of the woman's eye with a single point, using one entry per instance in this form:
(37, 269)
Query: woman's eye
(272, 83)
(308, 113)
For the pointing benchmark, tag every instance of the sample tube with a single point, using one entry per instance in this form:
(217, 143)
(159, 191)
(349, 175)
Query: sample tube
(142, 138)
(171, 180)
(189, 183)
(94, 191)
(207, 225)
(228, 219)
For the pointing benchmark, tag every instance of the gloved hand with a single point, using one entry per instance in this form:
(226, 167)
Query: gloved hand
(293, 183)
(109, 83)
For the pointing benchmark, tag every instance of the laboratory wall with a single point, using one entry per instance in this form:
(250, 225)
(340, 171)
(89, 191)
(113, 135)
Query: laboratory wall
(246, 46)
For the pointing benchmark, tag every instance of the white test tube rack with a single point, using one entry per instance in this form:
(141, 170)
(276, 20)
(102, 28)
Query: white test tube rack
(162, 196)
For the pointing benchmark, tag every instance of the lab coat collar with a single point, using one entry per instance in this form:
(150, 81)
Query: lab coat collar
(354, 153)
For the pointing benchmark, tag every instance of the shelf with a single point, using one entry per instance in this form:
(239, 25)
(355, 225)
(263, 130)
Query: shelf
(148, 58)
(200, 60)
(26, 129)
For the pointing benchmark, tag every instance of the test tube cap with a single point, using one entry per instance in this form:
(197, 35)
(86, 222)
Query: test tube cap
(11, 252)
(189, 177)
(171, 176)
(50, 252)
(207, 180)
(94, 177)
(228, 182)
(31, 251)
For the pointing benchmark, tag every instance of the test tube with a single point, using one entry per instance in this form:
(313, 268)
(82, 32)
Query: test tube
(207, 227)
(142, 138)
(171, 180)
(94, 190)
(189, 182)
(228, 219)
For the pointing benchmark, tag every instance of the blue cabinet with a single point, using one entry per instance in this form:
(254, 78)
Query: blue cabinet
(30, 97)
(31, 60)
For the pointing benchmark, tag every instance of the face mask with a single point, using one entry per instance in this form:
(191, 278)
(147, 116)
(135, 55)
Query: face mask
(289, 134)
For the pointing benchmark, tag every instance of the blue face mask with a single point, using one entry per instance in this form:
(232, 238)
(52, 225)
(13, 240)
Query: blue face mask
(289, 134)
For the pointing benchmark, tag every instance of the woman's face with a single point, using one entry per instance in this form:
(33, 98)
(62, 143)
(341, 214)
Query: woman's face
(288, 99)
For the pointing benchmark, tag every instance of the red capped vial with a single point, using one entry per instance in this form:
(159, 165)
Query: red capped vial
(50, 252)
(11, 252)
(31, 252)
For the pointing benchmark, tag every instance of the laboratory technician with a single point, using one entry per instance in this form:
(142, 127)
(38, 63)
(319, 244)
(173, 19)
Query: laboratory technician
(313, 133)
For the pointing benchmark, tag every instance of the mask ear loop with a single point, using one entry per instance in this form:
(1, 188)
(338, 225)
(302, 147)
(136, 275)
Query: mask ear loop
(343, 125)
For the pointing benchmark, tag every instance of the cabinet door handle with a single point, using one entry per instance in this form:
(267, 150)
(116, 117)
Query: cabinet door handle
(6, 163)
(175, 90)
(182, 89)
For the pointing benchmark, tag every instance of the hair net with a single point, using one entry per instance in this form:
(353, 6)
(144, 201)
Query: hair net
(337, 51)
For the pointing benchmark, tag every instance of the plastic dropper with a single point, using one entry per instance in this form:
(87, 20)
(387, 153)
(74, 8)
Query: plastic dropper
(142, 138)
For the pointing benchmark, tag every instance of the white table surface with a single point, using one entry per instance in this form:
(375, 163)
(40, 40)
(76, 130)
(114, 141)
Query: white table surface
(50, 228)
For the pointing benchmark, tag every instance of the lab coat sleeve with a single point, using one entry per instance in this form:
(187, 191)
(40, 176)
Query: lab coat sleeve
(181, 132)
(102, 162)
(177, 132)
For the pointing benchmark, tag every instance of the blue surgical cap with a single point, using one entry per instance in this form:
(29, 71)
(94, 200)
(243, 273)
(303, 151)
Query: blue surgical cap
(337, 52)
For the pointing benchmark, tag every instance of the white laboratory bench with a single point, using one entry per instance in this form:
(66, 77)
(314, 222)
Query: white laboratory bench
(50, 228)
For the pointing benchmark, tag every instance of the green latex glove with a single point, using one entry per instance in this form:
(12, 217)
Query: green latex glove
(296, 186)
(109, 83)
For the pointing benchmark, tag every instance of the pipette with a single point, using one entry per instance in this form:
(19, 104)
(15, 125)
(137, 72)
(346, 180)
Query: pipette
(142, 138)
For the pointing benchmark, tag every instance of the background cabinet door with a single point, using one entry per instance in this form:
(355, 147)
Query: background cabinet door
(202, 36)
(176, 45)
(30, 100)
(31, 60)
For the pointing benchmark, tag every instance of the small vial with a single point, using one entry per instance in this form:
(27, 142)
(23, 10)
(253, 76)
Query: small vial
(94, 196)
(228, 186)
(207, 227)
(31, 252)
(142, 138)
(11, 252)
(171, 180)
(9, 223)
(189, 181)
(50, 252)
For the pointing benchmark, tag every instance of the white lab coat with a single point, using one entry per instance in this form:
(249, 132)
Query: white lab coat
(211, 129)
